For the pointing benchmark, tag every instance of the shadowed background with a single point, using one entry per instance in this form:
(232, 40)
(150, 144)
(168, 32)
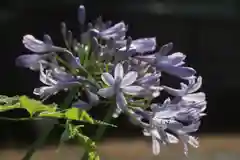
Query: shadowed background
(206, 31)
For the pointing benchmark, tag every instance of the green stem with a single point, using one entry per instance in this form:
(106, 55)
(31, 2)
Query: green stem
(40, 141)
(101, 129)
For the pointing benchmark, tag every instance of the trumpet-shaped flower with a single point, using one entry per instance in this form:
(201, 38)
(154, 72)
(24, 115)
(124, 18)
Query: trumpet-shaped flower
(35, 45)
(171, 64)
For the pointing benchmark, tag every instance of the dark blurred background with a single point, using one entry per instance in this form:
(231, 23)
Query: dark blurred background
(207, 31)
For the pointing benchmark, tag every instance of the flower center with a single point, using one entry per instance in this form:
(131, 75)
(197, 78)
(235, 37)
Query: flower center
(117, 84)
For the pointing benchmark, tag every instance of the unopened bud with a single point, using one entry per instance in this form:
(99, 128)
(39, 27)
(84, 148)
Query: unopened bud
(81, 14)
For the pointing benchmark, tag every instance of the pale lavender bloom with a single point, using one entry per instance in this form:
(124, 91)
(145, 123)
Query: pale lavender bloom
(141, 45)
(112, 50)
(190, 113)
(169, 116)
(171, 64)
(184, 137)
(130, 48)
(120, 84)
(187, 91)
(198, 105)
(156, 129)
(38, 46)
(54, 74)
(139, 66)
(93, 31)
(116, 32)
(192, 86)
(157, 139)
(151, 84)
(123, 49)
(60, 74)
(107, 52)
(184, 110)
(159, 136)
(46, 91)
(181, 132)
(30, 61)
(56, 80)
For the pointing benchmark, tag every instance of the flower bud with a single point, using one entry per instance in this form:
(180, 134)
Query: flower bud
(81, 14)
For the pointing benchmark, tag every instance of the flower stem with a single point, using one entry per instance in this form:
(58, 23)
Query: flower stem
(101, 129)
(40, 141)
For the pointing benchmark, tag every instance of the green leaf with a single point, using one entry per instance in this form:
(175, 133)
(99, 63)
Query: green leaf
(23, 102)
(5, 100)
(4, 108)
(70, 114)
(46, 111)
(75, 114)
(52, 114)
(34, 106)
(104, 123)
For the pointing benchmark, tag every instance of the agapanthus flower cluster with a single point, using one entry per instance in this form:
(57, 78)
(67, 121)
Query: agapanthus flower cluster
(107, 66)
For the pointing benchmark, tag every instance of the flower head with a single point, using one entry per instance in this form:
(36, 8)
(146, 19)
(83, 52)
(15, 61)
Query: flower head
(126, 73)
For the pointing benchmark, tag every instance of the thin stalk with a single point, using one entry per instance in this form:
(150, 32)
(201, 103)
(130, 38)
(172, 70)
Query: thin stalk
(40, 141)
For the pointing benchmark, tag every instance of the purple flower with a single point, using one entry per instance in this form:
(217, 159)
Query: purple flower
(141, 45)
(159, 134)
(173, 114)
(170, 116)
(106, 54)
(157, 139)
(30, 61)
(38, 46)
(56, 80)
(116, 32)
(130, 48)
(171, 64)
(151, 84)
(184, 111)
(120, 84)
(46, 91)
(187, 91)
